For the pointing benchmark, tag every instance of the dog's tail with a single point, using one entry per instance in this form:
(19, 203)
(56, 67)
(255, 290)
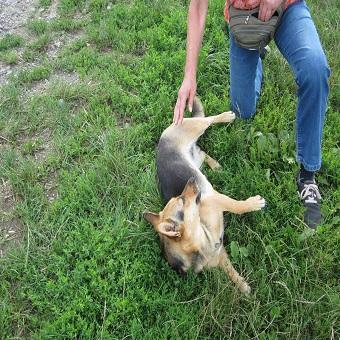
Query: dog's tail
(197, 108)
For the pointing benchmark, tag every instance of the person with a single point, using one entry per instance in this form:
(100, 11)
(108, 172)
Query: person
(298, 41)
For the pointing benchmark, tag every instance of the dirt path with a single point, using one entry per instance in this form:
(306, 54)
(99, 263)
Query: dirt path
(14, 14)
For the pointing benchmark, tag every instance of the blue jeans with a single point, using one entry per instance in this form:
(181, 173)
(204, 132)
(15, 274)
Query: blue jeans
(298, 41)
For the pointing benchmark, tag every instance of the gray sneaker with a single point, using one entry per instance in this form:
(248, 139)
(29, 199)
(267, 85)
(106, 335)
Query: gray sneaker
(309, 194)
(263, 51)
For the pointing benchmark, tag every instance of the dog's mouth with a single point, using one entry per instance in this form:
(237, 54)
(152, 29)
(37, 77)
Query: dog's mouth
(192, 186)
(191, 191)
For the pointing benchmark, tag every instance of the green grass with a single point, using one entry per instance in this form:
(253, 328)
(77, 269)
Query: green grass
(27, 76)
(45, 3)
(89, 266)
(9, 57)
(38, 26)
(10, 41)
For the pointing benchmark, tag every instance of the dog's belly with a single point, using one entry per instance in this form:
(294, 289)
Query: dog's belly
(175, 168)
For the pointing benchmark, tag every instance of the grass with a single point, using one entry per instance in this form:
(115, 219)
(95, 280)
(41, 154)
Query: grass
(38, 27)
(89, 266)
(9, 57)
(10, 41)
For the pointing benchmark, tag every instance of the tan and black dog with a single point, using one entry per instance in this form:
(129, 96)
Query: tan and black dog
(190, 226)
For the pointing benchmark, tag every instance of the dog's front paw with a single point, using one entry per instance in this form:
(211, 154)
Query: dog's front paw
(256, 203)
(228, 117)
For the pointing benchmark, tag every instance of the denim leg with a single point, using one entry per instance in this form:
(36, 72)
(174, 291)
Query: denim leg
(245, 79)
(298, 41)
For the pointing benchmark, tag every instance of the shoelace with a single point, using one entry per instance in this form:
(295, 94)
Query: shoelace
(310, 193)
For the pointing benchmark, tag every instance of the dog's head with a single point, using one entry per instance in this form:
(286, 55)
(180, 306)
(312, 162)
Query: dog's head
(176, 225)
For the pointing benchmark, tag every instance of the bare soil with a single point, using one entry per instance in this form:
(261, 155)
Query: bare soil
(11, 228)
(14, 15)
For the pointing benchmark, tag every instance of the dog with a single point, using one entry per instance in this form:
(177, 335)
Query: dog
(191, 226)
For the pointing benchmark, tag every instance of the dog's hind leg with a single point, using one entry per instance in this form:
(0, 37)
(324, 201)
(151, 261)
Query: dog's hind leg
(234, 276)
(224, 117)
(192, 128)
(212, 163)
(199, 156)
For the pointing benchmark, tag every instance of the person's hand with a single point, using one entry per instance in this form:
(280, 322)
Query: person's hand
(268, 8)
(186, 95)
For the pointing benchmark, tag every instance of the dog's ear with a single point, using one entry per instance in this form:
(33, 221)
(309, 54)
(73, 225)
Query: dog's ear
(168, 229)
(152, 218)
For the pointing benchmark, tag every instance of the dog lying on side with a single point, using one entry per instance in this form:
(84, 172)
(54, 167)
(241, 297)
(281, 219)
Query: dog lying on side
(190, 226)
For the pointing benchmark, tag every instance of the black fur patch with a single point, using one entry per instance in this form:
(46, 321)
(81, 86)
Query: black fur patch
(175, 262)
(178, 265)
(198, 198)
(173, 171)
(180, 215)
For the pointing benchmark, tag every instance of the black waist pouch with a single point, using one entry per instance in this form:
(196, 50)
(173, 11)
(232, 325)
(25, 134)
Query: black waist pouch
(249, 31)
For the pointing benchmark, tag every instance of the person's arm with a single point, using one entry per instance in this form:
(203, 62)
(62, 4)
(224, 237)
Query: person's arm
(268, 8)
(196, 21)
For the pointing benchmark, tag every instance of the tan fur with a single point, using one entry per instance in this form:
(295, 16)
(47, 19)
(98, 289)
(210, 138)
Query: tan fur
(213, 164)
(197, 239)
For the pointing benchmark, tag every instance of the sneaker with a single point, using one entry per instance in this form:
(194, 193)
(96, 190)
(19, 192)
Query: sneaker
(263, 51)
(309, 194)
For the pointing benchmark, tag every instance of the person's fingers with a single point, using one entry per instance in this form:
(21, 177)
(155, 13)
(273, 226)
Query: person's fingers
(264, 15)
(181, 109)
(261, 10)
(176, 112)
(185, 96)
(191, 100)
(268, 14)
(265, 12)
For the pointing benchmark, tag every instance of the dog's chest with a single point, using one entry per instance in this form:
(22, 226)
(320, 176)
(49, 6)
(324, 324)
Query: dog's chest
(211, 245)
